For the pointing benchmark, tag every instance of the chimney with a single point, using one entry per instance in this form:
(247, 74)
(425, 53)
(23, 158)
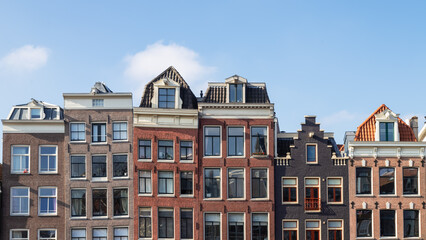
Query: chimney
(201, 93)
(414, 124)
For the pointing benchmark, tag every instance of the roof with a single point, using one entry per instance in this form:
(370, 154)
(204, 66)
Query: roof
(100, 88)
(341, 147)
(189, 101)
(254, 94)
(366, 131)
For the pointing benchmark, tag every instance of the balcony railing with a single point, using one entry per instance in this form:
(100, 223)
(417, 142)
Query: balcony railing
(312, 204)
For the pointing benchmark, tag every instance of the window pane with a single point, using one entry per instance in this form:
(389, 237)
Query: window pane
(120, 165)
(311, 153)
(363, 223)
(387, 223)
(363, 180)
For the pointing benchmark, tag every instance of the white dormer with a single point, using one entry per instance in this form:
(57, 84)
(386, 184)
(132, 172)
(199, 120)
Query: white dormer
(166, 94)
(387, 126)
(35, 110)
(236, 89)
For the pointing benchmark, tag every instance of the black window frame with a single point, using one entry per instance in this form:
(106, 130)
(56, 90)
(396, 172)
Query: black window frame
(79, 165)
(165, 147)
(259, 181)
(215, 142)
(100, 201)
(383, 179)
(81, 200)
(168, 220)
(102, 166)
(168, 103)
(186, 223)
(121, 209)
(119, 131)
(144, 181)
(147, 149)
(186, 152)
(212, 184)
(120, 167)
(238, 183)
(99, 138)
(361, 179)
(362, 215)
(186, 183)
(236, 139)
(410, 184)
(145, 219)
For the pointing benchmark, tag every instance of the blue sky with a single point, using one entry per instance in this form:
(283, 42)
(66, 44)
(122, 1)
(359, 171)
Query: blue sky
(339, 60)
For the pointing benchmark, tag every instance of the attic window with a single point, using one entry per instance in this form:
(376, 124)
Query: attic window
(97, 102)
(166, 97)
(235, 92)
(19, 114)
(50, 113)
(387, 131)
(35, 113)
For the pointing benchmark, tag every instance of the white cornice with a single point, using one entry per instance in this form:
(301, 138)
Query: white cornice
(387, 149)
(164, 111)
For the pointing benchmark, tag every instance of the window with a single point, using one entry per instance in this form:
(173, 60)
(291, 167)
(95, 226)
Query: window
(235, 141)
(121, 202)
(97, 102)
(78, 234)
(165, 150)
(410, 182)
(48, 159)
(47, 200)
(212, 226)
(259, 183)
(165, 223)
(99, 166)
(77, 132)
(21, 234)
(144, 149)
(20, 159)
(290, 229)
(289, 190)
(212, 183)
(334, 189)
(145, 223)
(387, 223)
(47, 234)
(212, 141)
(99, 197)
(119, 131)
(99, 234)
(186, 183)
(20, 201)
(235, 183)
(259, 141)
(78, 166)
(411, 223)
(98, 132)
(235, 92)
(121, 233)
(363, 180)
(186, 224)
(312, 194)
(145, 182)
(387, 180)
(236, 226)
(166, 97)
(313, 228)
(259, 226)
(165, 183)
(386, 131)
(78, 203)
(35, 113)
(335, 229)
(186, 150)
(19, 114)
(119, 165)
(311, 154)
(363, 223)
(50, 113)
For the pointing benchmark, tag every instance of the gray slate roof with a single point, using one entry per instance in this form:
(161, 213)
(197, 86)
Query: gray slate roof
(100, 88)
(254, 94)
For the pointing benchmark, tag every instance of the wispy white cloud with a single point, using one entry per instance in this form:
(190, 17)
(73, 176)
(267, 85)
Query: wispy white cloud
(339, 117)
(26, 58)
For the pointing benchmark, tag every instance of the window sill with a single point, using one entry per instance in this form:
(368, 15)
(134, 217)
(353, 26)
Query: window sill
(313, 211)
(99, 143)
(100, 217)
(145, 195)
(165, 160)
(20, 173)
(78, 142)
(166, 195)
(48, 173)
(48, 215)
(412, 196)
(121, 178)
(78, 179)
(259, 156)
(186, 196)
(335, 203)
(78, 218)
(365, 195)
(20, 215)
(120, 141)
(236, 199)
(144, 160)
(289, 203)
(212, 199)
(236, 157)
(103, 179)
(214, 157)
(120, 217)
(259, 199)
(186, 161)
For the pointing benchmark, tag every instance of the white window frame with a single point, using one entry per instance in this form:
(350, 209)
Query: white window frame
(308, 229)
(396, 223)
(244, 184)
(291, 229)
(29, 159)
(99, 179)
(418, 181)
(151, 148)
(85, 167)
(174, 149)
(11, 202)
(336, 186)
(395, 181)
(152, 186)
(115, 227)
(180, 184)
(204, 223)
(267, 184)
(127, 131)
(106, 134)
(227, 141)
(316, 153)
(150, 215)
(220, 141)
(244, 222)
(85, 133)
(106, 228)
(98, 102)
(39, 201)
(371, 182)
(128, 165)
(20, 230)
(41, 113)
(128, 202)
(186, 161)
(319, 192)
(158, 221)
(269, 223)
(193, 222)
(267, 140)
(158, 184)
(86, 195)
(77, 228)
(220, 184)
(47, 229)
(56, 157)
(341, 228)
(297, 190)
(372, 223)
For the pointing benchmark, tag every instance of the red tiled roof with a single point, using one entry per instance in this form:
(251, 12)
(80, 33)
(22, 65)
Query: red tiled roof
(366, 131)
(341, 147)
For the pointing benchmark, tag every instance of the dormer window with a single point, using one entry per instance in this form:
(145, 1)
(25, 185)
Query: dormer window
(19, 114)
(166, 97)
(35, 113)
(50, 113)
(387, 131)
(235, 92)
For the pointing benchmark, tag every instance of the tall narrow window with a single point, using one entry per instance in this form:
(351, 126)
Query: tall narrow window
(386, 131)
(145, 230)
(311, 154)
(212, 141)
(121, 233)
(235, 141)
(212, 226)
(119, 131)
(235, 92)
(236, 226)
(48, 159)
(119, 165)
(313, 229)
(259, 226)
(99, 234)
(259, 141)
(78, 234)
(99, 166)
(186, 150)
(47, 234)
(78, 203)
(19, 234)
(411, 181)
(363, 223)
(121, 202)
(98, 132)
(235, 183)
(363, 180)
(165, 150)
(259, 183)
(166, 97)
(387, 180)
(212, 183)
(20, 201)
(145, 182)
(334, 188)
(312, 194)
(411, 223)
(20, 159)
(186, 224)
(144, 149)
(165, 183)
(78, 167)
(186, 183)
(289, 190)
(165, 223)
(77, 132)
(335, 229)
(99, 202)
(47, 200)
(387, 223)
(290, 229)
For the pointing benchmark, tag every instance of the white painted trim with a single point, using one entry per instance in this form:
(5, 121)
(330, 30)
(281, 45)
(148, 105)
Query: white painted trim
(267, 139)
(292, 229)
(11, 159)
(56, 160)
(19, 229)
(309, 229)
(227, 141)
(99, 179)
(244, 184)
(220, 184)
(152, 186)
(316, 153)
(47, 229)
(204, 223)
(267, 184)
(86, 195)
(341, 190)
(39, 202)
(244, 222)
(158, 184)
(394, 183)
(128, 202)
(11, 202)
(341, 229)
(297, 190)
(269, 223)
(220, 141)
(85, 167)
